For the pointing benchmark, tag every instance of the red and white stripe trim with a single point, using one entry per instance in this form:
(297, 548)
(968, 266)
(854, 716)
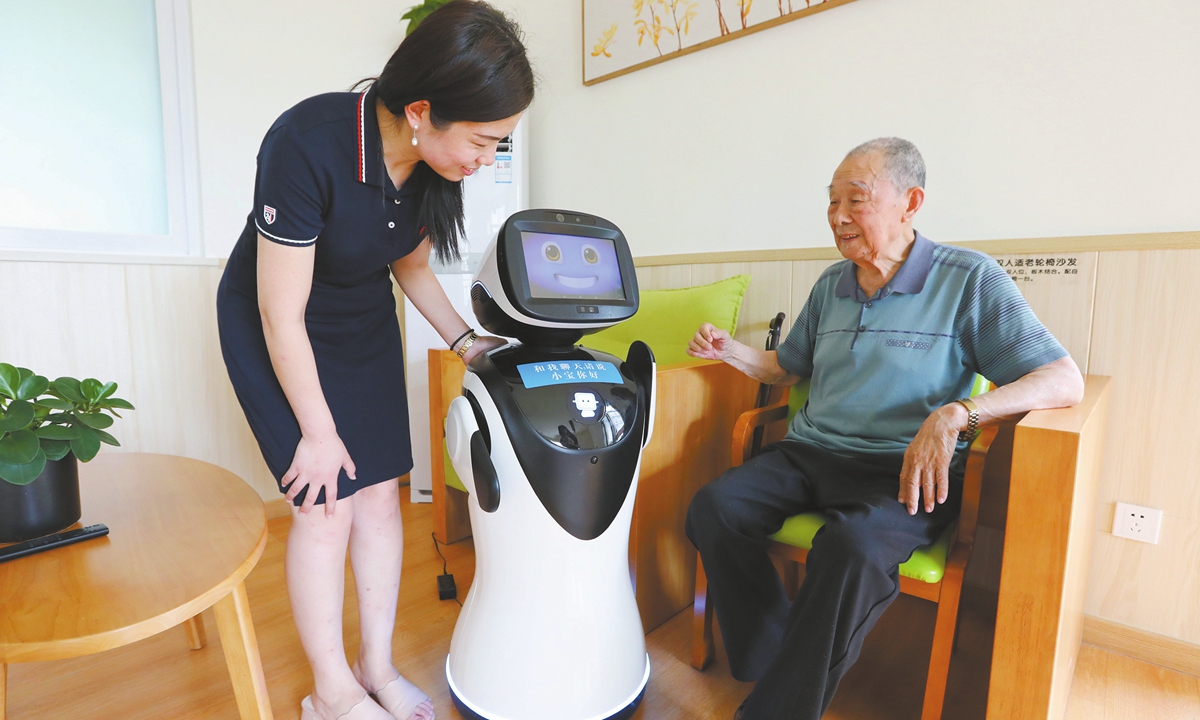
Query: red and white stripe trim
(362, 133)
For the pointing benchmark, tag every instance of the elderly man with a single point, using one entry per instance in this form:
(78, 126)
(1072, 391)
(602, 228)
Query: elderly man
(891, 339)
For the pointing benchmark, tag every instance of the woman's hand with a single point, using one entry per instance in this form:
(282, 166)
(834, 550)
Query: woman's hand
(711, 343)
(316, 465)
(482, 345)
(926, 470)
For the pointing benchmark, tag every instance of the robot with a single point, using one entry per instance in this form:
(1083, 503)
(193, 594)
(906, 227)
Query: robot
(548, 437)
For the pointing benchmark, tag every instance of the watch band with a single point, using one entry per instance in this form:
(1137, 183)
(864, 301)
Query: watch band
(462, 350)
(972, 419)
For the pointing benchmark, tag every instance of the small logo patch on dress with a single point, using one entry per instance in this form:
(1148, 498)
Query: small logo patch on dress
(268, 214)
(913, 344)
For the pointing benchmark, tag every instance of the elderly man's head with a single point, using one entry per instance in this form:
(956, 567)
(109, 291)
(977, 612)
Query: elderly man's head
(874, 195)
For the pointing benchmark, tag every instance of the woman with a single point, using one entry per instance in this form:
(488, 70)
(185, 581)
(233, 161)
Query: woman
(350, 185)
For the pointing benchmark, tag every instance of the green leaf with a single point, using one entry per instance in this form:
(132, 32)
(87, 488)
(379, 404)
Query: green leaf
(55, 449)
(10, 379)
(18, 416)
(56, 432)
(68, 388)
(86, 445)
(91, 389)
(19, 447)
(97, 421)
(106, 438)
(23, 473)
(108, 389)
(32, 386)
(53, 404)
(113, 402)
(24, 373)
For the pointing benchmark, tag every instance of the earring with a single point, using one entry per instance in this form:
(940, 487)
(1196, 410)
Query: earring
(414, 140)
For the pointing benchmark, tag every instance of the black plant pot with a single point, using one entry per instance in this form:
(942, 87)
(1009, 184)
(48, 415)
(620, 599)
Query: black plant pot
(48, 504)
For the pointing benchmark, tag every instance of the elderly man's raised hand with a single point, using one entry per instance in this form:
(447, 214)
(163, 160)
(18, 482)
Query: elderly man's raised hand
(711, 343)
(926, 472)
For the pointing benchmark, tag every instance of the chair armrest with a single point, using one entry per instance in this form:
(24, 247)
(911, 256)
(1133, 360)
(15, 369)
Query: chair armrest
(743, 430)
(968, 515)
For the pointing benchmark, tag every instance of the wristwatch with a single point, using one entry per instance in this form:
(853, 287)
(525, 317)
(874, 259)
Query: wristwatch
(972, 419)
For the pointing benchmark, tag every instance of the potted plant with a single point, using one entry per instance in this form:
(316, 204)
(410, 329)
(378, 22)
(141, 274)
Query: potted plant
(45, 428)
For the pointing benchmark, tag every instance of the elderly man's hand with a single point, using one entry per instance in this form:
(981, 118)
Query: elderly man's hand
(926, 472)
(711, 343)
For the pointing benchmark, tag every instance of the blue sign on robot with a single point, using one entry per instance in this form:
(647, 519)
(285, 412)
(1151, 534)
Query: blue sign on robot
(562, 372)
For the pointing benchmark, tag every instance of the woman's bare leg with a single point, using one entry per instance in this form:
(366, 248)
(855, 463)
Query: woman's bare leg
(316, 570)
(376, 553)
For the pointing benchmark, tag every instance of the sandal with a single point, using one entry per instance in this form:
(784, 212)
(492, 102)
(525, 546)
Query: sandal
(401, 698)
(358, 710)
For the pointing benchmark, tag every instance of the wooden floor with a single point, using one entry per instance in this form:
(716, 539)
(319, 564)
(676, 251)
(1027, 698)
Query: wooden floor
(160, 678)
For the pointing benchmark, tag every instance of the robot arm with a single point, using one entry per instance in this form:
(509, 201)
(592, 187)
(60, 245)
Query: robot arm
(641, 362)
(468, 444)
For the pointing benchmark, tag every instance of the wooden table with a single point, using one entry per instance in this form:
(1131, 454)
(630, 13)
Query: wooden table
(184, 535)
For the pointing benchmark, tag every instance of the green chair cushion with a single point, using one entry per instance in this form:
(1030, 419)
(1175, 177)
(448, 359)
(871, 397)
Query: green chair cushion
(927, 564)
(666, 320)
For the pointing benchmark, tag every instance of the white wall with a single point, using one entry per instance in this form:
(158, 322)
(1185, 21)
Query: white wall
(254, 60)
(1035, 119)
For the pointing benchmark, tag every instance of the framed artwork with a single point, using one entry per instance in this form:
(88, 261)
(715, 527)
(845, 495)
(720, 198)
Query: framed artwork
(620, 36)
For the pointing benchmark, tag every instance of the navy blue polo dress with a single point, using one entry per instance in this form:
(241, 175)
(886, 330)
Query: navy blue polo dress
(321, 181)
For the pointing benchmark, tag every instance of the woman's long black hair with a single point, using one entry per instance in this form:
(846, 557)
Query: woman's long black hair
(467, 60)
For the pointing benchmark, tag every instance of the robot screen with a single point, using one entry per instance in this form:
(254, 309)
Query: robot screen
(570, 266)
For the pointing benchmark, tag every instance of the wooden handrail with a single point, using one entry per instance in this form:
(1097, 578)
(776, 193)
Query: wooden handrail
(743, 430)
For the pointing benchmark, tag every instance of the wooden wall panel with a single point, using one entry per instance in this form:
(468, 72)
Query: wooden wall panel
(1150, 587)
(769, 292)
(71, 319)
(181, 376)
(666, 277)
(1061, 291)
(1147, 335)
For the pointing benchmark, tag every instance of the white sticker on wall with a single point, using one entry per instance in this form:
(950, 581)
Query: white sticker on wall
(503, 168)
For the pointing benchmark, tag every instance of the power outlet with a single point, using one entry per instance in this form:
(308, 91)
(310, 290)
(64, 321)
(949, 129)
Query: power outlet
(1137, 523)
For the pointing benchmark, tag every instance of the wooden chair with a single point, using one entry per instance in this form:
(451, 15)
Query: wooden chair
(945, 591)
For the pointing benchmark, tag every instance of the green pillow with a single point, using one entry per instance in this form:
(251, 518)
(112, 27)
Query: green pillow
(667, 320)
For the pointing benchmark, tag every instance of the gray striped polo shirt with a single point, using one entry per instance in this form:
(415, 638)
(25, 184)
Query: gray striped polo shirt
(880, 365)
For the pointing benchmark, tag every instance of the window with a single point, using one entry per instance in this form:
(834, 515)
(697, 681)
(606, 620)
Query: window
(97, 148)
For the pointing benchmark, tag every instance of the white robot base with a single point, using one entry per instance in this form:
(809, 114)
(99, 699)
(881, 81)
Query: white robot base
(550, 629)
(471, 711)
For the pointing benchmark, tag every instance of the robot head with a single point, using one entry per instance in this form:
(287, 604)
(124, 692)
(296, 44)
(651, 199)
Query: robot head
(551, 276)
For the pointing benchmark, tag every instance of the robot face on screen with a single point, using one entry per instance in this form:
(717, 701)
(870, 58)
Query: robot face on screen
(565, 266)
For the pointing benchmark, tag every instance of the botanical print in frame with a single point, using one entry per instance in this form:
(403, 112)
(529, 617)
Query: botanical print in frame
(620, 36)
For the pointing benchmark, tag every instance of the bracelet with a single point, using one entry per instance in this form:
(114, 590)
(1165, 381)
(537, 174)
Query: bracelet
(460, 337)
(467, 344)
(972, 420)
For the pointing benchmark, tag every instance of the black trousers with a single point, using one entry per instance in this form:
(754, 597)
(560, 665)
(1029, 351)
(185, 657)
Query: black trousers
(799, 651)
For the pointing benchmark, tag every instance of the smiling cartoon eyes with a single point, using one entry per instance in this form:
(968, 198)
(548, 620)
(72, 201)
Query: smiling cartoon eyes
(553, 253)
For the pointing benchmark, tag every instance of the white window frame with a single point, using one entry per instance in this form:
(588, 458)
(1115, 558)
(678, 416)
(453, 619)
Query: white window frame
(183, 239)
